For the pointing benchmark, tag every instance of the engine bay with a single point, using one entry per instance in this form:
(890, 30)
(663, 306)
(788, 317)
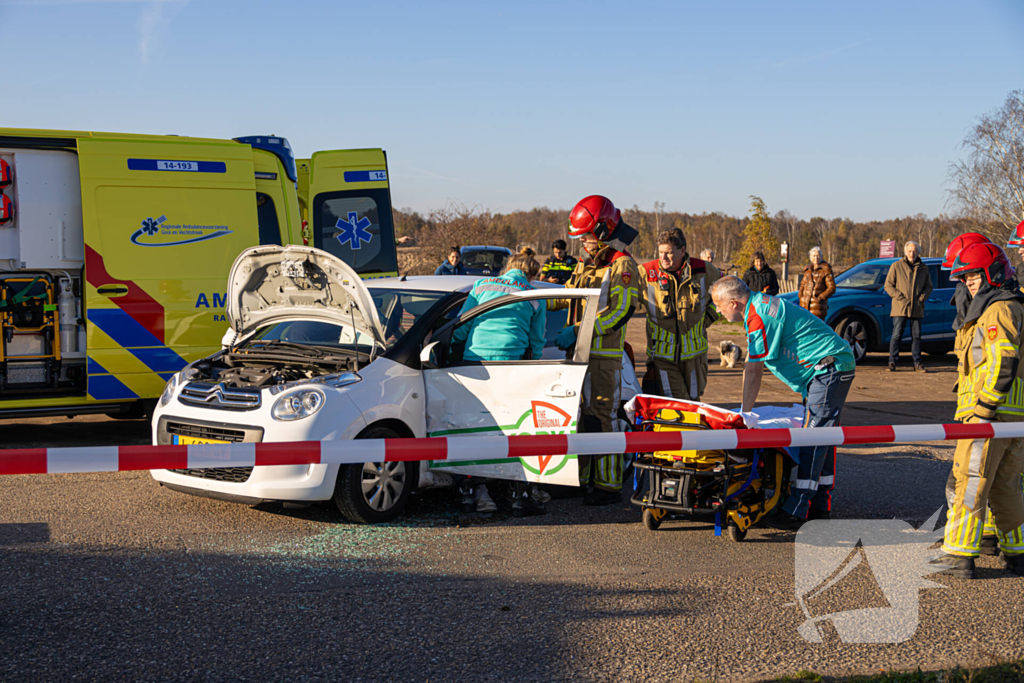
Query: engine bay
(270, 365)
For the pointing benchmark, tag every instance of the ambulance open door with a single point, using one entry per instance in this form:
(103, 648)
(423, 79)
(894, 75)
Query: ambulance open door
(349, 205)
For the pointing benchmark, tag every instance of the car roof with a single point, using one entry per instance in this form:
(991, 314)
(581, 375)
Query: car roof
(486, 247)
(928, 260)
(435, 283)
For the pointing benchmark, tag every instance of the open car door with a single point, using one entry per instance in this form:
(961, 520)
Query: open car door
(348, 200)
(539, 396)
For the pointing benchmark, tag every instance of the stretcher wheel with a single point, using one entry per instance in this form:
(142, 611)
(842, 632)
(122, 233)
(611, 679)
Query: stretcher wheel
(735, 534)
(650, 521)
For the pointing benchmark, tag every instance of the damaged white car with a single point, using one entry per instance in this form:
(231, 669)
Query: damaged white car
(317, 354)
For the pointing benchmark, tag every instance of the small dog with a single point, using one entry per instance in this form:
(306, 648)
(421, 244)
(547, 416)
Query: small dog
(730, 354)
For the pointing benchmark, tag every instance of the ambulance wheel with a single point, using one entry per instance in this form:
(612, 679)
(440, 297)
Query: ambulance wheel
(735, 534)
(374, 492)
(650, 521)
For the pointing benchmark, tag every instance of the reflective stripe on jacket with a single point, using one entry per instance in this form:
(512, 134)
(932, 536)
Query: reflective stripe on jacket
(562, 270)
(679, 309)
(616, 275)
(989, 382)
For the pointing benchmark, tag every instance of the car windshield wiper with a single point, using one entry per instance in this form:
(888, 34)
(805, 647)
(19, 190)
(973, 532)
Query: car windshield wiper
(278, 345)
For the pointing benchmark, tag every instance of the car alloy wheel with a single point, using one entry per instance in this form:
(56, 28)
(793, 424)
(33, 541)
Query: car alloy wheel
(855, 333)
(383, 483)
(375, 492)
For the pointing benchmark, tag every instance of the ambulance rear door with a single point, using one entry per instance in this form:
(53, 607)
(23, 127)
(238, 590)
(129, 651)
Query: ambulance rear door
(163, 221)
(349, 204)
(277, 205)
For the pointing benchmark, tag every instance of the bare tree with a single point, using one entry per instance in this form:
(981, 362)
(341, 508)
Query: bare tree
(456, 225)
(825, 230)
(787, 225)
(987, 186)
(659, 208)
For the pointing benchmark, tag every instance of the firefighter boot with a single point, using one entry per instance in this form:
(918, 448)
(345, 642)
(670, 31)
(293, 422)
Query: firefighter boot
(989, 545)
(466, 493)
(596, 496)
(523, 504)
(960, 567)
(1014, 564)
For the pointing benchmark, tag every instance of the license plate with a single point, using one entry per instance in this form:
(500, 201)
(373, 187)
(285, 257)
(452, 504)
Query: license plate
(192, 440)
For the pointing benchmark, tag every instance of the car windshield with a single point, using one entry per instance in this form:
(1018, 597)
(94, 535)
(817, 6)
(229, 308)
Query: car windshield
(398, 311)
(484, 258)
(864, 276)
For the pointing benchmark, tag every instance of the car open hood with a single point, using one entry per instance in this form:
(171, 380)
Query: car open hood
(272, 283)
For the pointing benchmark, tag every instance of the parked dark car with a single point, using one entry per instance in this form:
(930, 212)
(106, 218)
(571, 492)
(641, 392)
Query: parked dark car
(484, 260)
(859, 310)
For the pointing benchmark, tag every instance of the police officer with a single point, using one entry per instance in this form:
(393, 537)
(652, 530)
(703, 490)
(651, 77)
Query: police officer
(676, 293)
(558, 268)
(605, 237)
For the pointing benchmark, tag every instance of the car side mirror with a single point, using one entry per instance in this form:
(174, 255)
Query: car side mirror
(430, 355)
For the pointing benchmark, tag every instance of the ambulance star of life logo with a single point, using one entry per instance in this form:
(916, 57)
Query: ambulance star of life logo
(354, 230)
(875, 566)
(151, 226)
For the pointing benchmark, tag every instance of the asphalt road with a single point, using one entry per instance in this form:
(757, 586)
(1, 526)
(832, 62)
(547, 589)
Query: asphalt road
(109, 576)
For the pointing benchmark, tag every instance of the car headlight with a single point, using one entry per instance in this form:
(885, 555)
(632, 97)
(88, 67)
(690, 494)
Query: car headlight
(168, 394)
(298, 404)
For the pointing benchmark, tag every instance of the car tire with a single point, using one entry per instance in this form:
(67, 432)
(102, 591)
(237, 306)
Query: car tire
(373, 493)
(855, 330)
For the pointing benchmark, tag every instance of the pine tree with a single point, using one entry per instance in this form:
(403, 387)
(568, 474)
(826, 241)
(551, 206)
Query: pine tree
(757, 236)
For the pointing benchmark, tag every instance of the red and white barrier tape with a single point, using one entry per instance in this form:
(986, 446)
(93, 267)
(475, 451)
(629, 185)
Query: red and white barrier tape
(121, 458)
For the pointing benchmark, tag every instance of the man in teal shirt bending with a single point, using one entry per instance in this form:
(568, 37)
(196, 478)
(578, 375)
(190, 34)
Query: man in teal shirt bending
(814, 361)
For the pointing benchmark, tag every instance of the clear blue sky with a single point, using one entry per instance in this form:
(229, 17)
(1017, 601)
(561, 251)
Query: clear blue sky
(839, 109)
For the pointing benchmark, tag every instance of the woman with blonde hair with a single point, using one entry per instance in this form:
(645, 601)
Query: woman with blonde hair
(508, 333)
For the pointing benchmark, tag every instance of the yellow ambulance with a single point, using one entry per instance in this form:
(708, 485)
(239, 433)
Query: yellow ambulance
(115, 251)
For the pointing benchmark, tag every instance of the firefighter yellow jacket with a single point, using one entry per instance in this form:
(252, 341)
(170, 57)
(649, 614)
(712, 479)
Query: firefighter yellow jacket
(990, 383)
(615, 274)
(679, 309)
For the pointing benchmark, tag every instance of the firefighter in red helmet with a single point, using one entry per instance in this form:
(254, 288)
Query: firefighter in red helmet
(609, 267)
(990, 388)
(962, 300)
(1016, 240)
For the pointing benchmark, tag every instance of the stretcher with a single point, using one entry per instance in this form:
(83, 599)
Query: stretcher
(738, 487)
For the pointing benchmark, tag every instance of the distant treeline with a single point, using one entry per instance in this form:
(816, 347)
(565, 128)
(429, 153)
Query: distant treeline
(843, 241)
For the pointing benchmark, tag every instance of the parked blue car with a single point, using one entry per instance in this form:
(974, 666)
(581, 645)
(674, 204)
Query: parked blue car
(484, 260)
(859, 310)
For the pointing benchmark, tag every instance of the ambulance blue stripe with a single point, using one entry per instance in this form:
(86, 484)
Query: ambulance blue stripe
(122, 328)
(108, 387)
(128, 333)
(365, 176)
(160, 360)
(177, 165)
(166, 376)
(94, 368)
